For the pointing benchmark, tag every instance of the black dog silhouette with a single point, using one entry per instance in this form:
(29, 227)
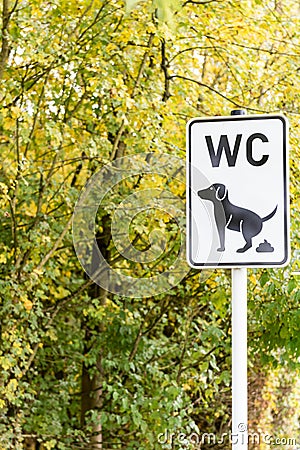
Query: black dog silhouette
(233, 217)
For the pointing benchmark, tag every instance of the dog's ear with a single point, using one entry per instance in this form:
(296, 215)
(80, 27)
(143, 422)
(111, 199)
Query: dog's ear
(221, 192)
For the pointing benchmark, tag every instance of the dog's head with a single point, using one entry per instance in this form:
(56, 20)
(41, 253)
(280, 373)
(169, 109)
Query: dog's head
(216, 191)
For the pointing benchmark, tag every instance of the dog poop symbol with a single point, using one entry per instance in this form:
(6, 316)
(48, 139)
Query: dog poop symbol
(227, 215)
(265, 247)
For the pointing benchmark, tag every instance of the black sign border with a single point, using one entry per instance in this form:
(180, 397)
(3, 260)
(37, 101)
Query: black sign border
(257, 264)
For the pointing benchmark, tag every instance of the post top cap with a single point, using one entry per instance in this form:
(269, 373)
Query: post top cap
(238, 112)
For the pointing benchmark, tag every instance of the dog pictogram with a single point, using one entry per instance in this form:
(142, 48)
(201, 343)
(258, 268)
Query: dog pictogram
(233, 217)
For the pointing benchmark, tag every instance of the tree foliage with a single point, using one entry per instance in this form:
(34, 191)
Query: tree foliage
(84, 83)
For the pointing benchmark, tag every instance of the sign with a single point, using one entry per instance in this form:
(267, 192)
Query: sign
(237, 191)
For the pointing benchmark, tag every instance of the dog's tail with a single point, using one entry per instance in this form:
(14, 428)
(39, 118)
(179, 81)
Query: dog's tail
(270, 215)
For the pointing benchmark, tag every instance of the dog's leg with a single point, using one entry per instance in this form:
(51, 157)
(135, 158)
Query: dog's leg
(248, 239)
(221, 231)
(246, 247)
(221, 224)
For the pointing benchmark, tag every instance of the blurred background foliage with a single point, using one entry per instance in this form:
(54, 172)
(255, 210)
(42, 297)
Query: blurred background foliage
(82, 84)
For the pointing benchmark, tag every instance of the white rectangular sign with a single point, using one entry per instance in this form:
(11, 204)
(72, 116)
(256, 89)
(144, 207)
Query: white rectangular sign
(237, 191)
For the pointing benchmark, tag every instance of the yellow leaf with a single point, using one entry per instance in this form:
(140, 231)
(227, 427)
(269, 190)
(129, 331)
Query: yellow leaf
(253, 279)
(31, 209)
(5, 363)
(9, 123)
(59, 292)
(2, 258)
(15, 111)
(52, 335)
(28, 305)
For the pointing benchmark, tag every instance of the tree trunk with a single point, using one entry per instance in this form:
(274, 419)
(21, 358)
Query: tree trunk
(4, 53)
(91, 397)
(92, 378)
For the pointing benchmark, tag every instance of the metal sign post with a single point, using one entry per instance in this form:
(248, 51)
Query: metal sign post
(239, 436)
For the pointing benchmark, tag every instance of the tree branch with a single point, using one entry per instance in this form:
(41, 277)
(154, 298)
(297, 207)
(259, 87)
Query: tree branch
(136, 84)
(5, 41)
(181, 77)
(56, 245)
(164, 66)
(5, 49)
(205, 2)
